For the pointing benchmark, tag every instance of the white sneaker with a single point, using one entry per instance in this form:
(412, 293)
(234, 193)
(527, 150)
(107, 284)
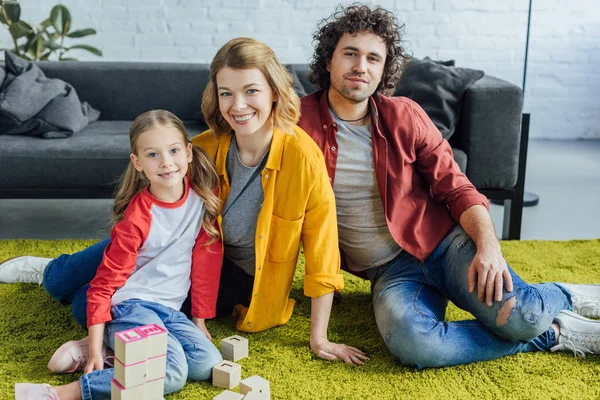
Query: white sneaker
(25, 269)
(73, 355)
(586, 299)
(578, 334)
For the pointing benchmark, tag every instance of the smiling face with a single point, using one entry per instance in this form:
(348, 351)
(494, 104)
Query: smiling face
(163, 156)
(245, 100)
(356, 66)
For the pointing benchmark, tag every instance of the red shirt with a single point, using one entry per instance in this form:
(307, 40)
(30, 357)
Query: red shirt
(423, 190)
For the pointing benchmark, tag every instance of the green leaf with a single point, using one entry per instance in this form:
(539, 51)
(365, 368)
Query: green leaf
(19, 29)
(51, 45)
(45, 56)
(11, 10)
(3, 18)
(91, 49)
(61, 18)
(68, 59)
(82, 33)
(46, 23)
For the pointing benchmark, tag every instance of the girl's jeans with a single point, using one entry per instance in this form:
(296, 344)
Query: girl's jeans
(410, 299)
(190, 355)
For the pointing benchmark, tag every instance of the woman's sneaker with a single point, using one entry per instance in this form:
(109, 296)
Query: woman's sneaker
(35, 391)
(25, 269)
(72, 356)
(578, 334)
(586, 299)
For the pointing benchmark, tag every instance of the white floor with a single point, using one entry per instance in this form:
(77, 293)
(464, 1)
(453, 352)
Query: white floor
(564, 174)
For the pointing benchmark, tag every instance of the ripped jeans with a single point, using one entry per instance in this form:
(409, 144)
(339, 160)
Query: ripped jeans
(410, 299)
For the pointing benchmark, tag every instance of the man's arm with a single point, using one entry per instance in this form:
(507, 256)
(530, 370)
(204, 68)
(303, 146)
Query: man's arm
(488, 270)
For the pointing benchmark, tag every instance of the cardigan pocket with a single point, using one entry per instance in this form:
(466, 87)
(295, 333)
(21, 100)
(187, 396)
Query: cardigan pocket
(284, 239)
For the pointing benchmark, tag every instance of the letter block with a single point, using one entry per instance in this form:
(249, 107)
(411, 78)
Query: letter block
(118, 392)
(156, 368)
(228, 395)
(130, 375)
(257, 385)
(130, 347)
(153, 390)
(157, 340)
(226, 375)
(234, 348)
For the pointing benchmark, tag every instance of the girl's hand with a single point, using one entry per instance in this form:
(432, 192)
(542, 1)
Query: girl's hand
(199, 322)
(95, 363)
(337, 351)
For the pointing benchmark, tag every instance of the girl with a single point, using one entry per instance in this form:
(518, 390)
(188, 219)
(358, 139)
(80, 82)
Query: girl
(164, 241)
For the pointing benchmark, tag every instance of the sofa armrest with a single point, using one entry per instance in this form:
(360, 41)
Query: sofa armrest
(490, 133)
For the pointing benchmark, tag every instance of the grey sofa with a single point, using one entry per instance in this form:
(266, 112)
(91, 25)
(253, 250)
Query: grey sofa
(488, 142)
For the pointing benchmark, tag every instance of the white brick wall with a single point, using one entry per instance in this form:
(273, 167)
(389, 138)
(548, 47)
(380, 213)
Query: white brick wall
(563, 83)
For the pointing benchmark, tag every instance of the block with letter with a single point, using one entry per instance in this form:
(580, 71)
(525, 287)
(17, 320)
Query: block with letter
(153, 390)
(157, 337)
(226, 374)
(234, 348)
(228, 395)
(130, 346)
(118, 392)
(256, 384)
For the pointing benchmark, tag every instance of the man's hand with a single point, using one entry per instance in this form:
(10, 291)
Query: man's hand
(488, 272)
(337, 351)
(95, 363)
(199, 322)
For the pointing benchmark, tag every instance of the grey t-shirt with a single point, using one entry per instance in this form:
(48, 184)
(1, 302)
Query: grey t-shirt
(363, 233)
(239, 219)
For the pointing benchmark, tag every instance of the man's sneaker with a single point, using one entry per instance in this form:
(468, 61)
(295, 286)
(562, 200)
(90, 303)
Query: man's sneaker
(72, 356)
(578, 334)
(25, 269)
(586, 299)
(35, 391)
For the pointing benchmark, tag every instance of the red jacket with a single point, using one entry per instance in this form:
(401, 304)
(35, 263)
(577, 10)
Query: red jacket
(423, 190)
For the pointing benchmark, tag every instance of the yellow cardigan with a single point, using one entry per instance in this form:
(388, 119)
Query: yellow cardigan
(299, 205)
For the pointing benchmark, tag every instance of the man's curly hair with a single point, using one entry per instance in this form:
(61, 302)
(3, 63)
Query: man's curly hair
(354, 19)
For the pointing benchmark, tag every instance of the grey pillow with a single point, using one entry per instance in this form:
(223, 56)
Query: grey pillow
(439, 89)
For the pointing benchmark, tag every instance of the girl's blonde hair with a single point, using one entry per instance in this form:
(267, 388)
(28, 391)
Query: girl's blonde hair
(247, 53)
(202, 174)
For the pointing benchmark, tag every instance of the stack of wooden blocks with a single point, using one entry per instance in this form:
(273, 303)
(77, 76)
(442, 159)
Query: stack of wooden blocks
(227, 374)
(140, 363)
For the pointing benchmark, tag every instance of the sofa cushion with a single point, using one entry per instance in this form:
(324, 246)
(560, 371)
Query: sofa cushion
(439, 89)
(94, 158)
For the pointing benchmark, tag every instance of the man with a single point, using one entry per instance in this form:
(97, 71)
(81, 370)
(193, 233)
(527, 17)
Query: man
(411, 222)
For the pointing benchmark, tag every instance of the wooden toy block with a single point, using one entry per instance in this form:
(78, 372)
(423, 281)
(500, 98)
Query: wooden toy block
(130, 375)
(155, 389)
(157, 337)
(118, 392)
(156, 368)
(130, 347)
(234, 348)
(228, 395)
(255, 396)
(256, 384)
(226, 374)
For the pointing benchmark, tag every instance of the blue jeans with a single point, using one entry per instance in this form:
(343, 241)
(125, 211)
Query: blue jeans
(410, 299)
(190, 355)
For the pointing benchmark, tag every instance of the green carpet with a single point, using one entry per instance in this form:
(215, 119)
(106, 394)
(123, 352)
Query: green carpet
(33, 325)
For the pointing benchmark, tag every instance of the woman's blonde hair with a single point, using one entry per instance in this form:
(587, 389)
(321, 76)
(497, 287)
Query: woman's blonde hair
(247, 53)
(202, 173)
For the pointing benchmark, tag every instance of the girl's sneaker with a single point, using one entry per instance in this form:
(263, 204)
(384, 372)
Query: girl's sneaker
(72, 356)
(35, 391)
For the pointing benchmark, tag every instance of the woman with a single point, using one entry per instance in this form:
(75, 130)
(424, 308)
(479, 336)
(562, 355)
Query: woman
(276, 194)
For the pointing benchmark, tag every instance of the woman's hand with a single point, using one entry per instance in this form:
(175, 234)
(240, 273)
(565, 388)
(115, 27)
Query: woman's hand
(199, 322)
(337, 351)
(95, 363)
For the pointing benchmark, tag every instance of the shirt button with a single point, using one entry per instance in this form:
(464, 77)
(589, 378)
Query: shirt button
(266, 176)
(334, 125)
(260, 268)
(324, 126)
(256, 295)
(260, 237)
(249, 322)
(329, 179)
(332, 148)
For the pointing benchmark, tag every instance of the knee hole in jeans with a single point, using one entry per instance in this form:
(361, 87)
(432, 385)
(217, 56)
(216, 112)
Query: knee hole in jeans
(505, 311)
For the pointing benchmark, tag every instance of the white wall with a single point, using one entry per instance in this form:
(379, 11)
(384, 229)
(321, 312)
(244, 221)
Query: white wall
(562, 81)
